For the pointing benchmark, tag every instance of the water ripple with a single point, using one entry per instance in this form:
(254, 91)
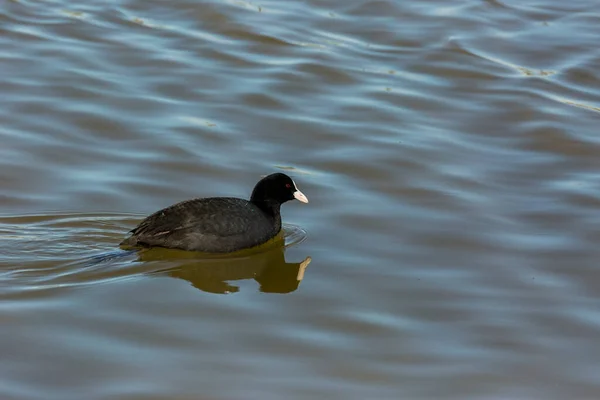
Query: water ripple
(449, 151)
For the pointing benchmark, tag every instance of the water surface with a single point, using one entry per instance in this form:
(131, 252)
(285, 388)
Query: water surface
(449, 151)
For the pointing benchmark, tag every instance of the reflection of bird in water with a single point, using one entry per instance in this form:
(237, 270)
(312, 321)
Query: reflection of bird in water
(267, 267)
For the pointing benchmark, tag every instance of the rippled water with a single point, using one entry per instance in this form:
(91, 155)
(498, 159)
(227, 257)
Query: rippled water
(450, 152)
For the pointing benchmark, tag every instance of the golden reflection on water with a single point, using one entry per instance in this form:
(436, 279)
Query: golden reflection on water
(212, 273)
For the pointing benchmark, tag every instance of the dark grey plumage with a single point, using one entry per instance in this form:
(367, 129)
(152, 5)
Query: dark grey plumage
(219, 224)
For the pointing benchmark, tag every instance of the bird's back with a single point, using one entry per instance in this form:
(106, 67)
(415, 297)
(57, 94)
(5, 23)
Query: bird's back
(216, 225)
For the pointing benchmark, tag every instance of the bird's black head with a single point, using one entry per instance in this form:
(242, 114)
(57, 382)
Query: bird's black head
(276, 189)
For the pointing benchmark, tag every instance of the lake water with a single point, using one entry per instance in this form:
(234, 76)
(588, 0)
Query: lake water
(450, 152)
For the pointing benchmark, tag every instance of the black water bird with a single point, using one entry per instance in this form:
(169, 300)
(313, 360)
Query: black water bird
(219, 224)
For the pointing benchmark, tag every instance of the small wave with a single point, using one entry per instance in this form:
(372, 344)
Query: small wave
(71, 249)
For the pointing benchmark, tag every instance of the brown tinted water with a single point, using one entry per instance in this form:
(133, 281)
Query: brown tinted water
(450, 151)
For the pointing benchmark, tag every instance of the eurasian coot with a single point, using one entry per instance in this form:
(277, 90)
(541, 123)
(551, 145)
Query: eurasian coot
(219, 224)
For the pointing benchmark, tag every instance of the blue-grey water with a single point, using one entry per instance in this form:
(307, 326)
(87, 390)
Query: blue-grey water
(450, 152)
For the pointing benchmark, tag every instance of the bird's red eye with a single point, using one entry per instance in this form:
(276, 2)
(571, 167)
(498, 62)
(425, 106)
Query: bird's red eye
(287, 185)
